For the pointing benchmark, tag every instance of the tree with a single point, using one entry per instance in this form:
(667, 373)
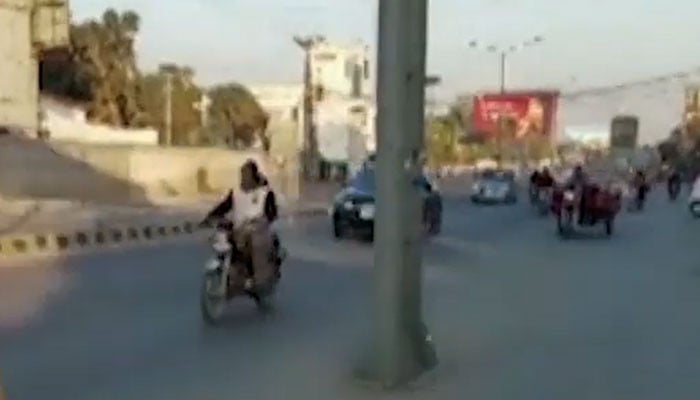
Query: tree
(101, 70)
(237, 119)
(441, 142)
(185, 103)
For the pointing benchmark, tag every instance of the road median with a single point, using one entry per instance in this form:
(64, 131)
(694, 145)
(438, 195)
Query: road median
(139, 229)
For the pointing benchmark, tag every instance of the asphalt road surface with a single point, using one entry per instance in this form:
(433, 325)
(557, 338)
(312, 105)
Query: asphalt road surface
(515, 312)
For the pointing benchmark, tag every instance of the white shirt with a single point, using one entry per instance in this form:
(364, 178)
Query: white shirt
(248, 205)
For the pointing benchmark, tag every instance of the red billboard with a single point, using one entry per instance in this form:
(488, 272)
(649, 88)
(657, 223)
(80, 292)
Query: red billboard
(532, 113)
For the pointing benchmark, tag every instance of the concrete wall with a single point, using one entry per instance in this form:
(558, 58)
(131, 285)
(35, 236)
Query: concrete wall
(18, 70)
(128, 174)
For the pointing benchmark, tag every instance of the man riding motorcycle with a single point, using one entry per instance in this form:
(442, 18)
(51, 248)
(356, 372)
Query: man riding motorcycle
(673, 183)
(639, 183)
(544, 179)
(254, 209)
(578, 181)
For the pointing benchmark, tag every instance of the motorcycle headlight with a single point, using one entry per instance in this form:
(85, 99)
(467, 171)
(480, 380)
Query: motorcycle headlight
(569, 195)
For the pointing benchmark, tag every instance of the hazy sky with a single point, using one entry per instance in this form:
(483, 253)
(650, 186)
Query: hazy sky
(591, 42)
(594, 41)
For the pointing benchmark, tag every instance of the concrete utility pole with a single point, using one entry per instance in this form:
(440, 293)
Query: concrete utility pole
(310, 164)
(402, 348)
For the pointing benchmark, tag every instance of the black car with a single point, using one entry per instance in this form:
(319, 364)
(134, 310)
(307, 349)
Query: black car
(354, 207)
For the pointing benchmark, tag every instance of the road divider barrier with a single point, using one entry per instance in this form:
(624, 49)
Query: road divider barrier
(66, 241)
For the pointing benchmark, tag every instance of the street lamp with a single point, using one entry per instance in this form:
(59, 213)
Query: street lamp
(306, 43)
(503, 53)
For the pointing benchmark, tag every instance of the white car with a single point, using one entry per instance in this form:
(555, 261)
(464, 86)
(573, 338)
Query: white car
(694, 199)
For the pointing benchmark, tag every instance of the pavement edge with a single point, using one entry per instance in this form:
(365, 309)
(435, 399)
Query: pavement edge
(67, 241)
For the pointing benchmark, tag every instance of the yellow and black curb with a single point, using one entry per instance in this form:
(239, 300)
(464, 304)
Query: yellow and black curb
(35, 244)
(50, 243)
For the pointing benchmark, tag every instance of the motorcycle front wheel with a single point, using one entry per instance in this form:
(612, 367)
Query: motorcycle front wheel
(212, 304)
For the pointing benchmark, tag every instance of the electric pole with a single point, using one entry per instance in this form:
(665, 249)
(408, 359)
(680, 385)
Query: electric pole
(401, 348)
(310, 164)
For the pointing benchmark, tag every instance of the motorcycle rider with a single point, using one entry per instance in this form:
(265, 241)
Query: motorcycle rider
(544, 179)
(674, 181)
(578, 181)
(254, 209)
(534, 177)
(639, 183)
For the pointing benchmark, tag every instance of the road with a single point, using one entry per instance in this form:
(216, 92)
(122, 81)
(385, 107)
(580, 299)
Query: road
(515, 312)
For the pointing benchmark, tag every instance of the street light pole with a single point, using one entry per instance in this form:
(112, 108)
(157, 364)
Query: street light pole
(503, 53)
(309, 147)
(503, 71)
(401, 348)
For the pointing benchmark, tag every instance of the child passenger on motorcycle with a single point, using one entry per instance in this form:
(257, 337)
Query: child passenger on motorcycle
(254, 209)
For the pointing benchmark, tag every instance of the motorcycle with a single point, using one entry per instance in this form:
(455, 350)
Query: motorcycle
(544, 200)
(224, 277)
(638, 199)
(674, 189)
(601, 207)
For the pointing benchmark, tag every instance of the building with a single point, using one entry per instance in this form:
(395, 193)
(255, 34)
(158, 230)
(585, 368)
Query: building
(29, 28)
(281, 101)
(343, 104)
(341, 69)
(587, 136)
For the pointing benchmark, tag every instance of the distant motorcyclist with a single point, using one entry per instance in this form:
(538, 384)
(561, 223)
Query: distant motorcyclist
(544, 179)
(578, 181)
(673, 183)
(254, 209)
(578, 178)
(639, 183)
(534, 178)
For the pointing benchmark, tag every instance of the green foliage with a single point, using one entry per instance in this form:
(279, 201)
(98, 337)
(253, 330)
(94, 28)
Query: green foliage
(441, 142)
(237, 119)
(185, 103)
(100, 69)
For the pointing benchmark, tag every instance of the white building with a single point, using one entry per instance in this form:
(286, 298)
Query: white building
(282, 101)
(344, 115)
(590, 136)
(342, 69)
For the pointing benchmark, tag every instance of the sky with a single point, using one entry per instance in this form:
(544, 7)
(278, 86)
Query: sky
(586, 43)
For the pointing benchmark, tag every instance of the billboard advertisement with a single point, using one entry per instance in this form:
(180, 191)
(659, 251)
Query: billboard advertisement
(525, 113)
(624, 131)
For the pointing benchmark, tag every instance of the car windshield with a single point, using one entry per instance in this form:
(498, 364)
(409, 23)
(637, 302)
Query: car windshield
(499, 176)
(365, 181)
